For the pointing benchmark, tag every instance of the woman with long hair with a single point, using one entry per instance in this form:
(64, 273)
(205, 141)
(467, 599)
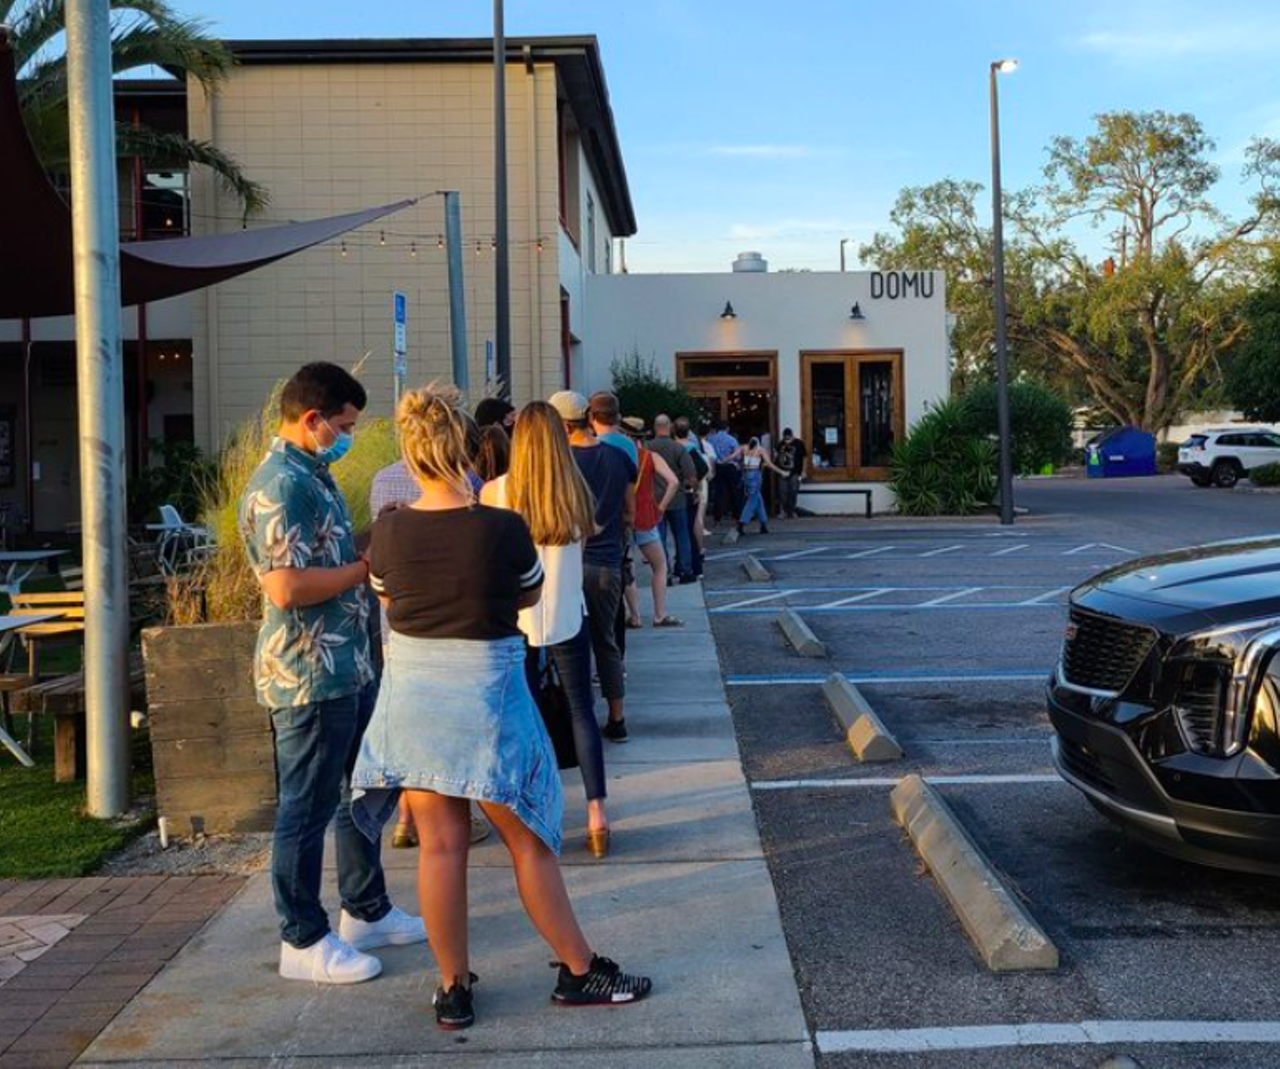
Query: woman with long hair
(455, 720)
(494, 455)
(546, 488)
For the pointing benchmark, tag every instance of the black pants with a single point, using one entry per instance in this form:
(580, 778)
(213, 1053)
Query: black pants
(695, 551)
(602, 586)
(726, 492)
(573, 663)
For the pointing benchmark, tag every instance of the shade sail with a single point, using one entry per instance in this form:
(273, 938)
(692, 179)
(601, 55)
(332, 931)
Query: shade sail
(35, 234)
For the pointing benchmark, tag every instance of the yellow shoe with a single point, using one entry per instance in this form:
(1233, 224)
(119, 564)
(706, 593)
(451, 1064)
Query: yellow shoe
(598, 842)
(405, 837)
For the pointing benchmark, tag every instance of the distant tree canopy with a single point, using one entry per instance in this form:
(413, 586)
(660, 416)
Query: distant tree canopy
(1148, 331)
(1253, 383)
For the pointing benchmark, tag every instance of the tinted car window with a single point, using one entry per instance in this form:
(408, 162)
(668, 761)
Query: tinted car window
(1269, 441)
(1231, 439)
(1195, 440)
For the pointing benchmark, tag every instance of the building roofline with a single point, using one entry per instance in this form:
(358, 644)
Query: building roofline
(577, 59)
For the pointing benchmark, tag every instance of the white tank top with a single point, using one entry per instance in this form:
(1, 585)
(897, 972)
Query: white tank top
(558, 615)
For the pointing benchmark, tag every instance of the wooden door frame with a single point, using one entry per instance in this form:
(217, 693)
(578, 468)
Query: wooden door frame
(852, 359)
(721, 385)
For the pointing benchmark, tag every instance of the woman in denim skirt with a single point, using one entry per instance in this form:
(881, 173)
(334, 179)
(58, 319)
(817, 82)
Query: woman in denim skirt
(455, 721)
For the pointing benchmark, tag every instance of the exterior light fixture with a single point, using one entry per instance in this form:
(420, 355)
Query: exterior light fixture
(439, 241)
(856, 312)
(413, 249)
(728, 312)
(382, 237)
(539, 244)
(344, 249)
(1006, 66)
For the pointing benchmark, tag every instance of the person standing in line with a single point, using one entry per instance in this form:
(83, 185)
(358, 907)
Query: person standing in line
(648, 539)
(676, 519)
(495, 412)
(546, 488)
(606, 415)
(728, 480)
(314, 670)
(494, 454)
(394, 487)
(790, 457)
(696, 509)
(455, 720)
(611, 476)
(754, 459)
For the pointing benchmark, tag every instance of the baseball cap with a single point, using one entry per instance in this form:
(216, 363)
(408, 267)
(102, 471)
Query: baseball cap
(634, 426)
(570, 404)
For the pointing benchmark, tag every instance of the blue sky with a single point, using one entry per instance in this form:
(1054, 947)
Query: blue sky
(783, 127)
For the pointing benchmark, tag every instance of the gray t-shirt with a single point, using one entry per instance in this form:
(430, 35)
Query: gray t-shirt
(679, 461)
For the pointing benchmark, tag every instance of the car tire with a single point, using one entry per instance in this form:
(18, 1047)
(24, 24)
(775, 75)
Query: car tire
(1201, 481)
(1226, 473)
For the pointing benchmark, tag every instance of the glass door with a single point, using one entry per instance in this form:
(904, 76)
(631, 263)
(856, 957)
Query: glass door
(852, 412)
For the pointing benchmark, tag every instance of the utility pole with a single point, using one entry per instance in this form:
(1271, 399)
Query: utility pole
(1002, 345)
(457, 300)
(502, 262)
(100, 400)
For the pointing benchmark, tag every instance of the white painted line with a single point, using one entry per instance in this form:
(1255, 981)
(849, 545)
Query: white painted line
(939, 552)
(954, 595)
(888, 680)
(1085, 1033)
(803, 553)
(1040, 598)
(1079, 549)
(865, 595)
(726, 555)
(893, 781)
(1118, 549)
(1010, 549)
(869, 552)
(761, 598)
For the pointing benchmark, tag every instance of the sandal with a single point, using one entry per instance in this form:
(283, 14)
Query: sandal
(634, 623)
(669, 621)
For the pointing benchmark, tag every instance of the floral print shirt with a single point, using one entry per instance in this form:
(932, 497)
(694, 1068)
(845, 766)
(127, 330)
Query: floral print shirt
(294, 516)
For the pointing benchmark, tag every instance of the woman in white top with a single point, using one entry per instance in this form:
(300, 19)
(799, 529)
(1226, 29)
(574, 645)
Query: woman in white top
(545, 486)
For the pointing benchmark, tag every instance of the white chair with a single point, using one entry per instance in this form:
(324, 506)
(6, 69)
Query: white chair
(178, 543)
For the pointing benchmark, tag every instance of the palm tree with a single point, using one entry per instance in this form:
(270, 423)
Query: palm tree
(144, 33)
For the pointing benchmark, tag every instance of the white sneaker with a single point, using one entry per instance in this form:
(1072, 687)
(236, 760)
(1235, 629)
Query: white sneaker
(330, 961)
(396, 929)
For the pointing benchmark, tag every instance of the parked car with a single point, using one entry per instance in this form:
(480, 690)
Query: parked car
(1223, 456)
(1166, 701)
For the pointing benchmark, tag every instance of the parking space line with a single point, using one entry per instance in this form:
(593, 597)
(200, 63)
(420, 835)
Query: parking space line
(730, 591)
(758, 600)
(869, 552)
(802, 553)
(1010, 549)
(982, 606)
(1015, 675)
(875, 592)
(953, 596)
(1041, 598)
(1079, 549)
(940, 552)
(995, 780)
(1084, 1033)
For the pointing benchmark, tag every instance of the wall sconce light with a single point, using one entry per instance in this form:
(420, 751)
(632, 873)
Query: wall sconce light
(728, 312)
(855, 313)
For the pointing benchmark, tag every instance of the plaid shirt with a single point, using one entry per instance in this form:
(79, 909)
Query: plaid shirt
(393, 485)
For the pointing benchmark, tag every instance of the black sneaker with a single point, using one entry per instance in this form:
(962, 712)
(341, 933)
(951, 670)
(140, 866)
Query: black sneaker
(454, 1009)
(614, 730)
(604, 984)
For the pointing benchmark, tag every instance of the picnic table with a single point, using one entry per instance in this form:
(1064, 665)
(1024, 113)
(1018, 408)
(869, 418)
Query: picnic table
(18, 565)
(10, 624)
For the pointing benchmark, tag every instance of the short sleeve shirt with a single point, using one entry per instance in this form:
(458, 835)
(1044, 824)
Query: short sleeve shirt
(609, 472)
(453, 573)
(293, 515)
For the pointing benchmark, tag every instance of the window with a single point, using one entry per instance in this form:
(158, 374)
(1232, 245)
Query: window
(852, 413)
(1231, 439)
(591, 234)
(1269, 441)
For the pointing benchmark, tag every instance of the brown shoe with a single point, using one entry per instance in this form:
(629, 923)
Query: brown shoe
(598, 842)
(405, 837)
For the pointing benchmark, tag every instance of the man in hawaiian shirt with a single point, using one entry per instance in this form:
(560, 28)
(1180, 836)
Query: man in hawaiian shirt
(314, 671)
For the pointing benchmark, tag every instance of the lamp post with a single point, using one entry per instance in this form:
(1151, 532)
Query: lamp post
(502, 259)
(843, 243)
(1001, 66)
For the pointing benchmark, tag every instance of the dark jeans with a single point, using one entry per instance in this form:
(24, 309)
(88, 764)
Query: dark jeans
(676, 524)
(726, 492)
(790, 486)
(602, 588)
(316, 748)
(573, 662)
(695, 552)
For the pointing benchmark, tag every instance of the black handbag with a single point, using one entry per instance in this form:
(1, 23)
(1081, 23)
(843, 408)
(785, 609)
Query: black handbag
(553, 704)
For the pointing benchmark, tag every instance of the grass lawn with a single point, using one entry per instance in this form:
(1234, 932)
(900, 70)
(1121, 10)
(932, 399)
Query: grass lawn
(44, 832)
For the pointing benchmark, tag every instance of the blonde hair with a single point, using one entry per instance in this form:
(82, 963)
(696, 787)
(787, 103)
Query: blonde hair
(544, 484)
(437, 437)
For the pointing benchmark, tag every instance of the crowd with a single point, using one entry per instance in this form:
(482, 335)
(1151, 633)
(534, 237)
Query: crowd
(502, 560)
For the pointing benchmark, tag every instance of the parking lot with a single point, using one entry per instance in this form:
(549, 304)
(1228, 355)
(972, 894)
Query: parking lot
(950, 629)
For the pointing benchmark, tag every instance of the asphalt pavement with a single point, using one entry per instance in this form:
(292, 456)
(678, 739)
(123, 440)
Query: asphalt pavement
(950, 628)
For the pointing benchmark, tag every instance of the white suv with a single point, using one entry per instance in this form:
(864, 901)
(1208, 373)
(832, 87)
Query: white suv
(1223, 456)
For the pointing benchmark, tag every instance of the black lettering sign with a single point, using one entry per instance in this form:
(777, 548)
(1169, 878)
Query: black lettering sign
(893, 285)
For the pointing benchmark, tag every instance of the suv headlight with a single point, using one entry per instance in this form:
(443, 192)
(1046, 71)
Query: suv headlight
(1243, 651)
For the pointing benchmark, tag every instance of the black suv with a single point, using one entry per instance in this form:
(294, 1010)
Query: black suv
(1166, 701)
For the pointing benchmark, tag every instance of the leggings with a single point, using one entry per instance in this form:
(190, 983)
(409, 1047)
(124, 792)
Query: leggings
(573, 662)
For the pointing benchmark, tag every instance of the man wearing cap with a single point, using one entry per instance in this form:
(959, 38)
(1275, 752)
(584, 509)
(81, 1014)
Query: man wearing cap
(605, 415)
(611, 475)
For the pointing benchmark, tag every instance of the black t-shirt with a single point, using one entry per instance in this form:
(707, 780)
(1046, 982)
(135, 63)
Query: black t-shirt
(608, 472)
(453, 574)
(790, 456)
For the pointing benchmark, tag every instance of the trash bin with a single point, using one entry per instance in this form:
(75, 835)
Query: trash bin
(1123, 452)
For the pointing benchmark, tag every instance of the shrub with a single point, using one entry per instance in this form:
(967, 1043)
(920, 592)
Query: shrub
(942, 468)
(1265, 475)
(179, 479)
(1040, 419)
(1167, 456)
(643, 392)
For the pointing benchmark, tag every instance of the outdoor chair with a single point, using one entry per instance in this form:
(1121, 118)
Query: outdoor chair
(179, 544)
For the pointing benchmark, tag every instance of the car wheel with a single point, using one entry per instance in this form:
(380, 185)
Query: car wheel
(1226, 474)
(1200, 481)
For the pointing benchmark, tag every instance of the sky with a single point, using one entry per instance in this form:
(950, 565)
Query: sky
(782, 127)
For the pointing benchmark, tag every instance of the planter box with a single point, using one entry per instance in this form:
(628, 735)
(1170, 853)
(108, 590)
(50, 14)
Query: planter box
(211, 741)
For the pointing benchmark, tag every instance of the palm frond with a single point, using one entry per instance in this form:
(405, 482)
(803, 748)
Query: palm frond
(158, 147)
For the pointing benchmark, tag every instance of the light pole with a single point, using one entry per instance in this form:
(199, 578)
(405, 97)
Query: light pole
(1001, 66)
(843, 243)
(502, 264)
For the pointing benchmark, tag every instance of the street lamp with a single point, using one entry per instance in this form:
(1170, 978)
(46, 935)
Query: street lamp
(1001, 66)
(843, 243)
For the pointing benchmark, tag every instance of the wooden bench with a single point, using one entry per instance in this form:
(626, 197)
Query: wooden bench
(63, 699)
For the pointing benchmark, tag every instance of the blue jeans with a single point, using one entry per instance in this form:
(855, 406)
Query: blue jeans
(316, 748)
(677, 525)
(754, 509)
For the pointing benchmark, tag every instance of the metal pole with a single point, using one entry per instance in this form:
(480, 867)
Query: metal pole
(502, 262)
(842, 241)
(1002, 349)
(100, 399)
(457, 299)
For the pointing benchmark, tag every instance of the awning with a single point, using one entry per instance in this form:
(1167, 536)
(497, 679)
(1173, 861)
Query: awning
(35, 234)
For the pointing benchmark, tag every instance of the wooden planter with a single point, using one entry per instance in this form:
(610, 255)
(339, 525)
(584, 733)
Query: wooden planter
(211, 741)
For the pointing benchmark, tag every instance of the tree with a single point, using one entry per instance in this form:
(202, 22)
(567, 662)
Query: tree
(643, 391)
(1040, 420)
(1253, 383)
(144, 33)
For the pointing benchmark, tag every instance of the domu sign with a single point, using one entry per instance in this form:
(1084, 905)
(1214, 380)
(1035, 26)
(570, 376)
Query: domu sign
(892, 285)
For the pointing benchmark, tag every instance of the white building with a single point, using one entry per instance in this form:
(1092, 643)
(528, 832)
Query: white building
(848, 361)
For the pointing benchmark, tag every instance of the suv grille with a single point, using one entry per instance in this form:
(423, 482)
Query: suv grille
(1103, 654)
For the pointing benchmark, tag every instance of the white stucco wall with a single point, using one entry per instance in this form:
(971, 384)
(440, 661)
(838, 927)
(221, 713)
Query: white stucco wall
(662, 315)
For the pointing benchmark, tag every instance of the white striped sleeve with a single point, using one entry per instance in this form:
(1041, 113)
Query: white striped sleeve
(533, 577)
(376, 582)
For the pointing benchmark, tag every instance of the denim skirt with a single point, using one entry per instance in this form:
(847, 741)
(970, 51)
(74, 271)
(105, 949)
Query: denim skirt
(456, 717)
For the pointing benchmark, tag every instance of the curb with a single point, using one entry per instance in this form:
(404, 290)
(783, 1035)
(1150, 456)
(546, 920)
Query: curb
(730, 537)
(865, 733)
(1004, 933)
(797, 632)
(756, 571)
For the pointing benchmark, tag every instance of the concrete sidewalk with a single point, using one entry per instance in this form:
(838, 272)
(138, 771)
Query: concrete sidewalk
(685, 896)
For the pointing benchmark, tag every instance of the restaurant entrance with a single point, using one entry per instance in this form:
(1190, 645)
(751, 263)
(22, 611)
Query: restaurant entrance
(740, 388)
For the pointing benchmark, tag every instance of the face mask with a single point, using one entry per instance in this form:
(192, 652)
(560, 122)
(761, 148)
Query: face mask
(342, 443)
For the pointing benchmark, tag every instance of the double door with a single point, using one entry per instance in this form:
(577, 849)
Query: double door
(852, 413)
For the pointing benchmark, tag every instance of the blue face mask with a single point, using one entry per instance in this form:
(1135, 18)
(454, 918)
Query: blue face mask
(342, 443)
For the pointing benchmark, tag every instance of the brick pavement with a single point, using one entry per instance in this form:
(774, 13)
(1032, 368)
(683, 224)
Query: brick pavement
(74, 952)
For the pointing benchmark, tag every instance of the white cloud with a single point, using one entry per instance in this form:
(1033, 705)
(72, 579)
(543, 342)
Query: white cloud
(1184, 42)
(796, 228)
(763, 152)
